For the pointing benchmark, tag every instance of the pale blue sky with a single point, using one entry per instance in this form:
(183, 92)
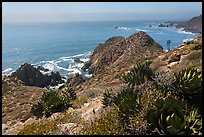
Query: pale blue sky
(98, 11)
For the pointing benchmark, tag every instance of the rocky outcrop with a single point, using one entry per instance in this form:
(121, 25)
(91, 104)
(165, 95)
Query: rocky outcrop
(162, 25)
(41, 68)
(77, 60)
(87, 64)
(194, 25)
(174, 57)
(31, 76)
(119, 50)
(75, 80)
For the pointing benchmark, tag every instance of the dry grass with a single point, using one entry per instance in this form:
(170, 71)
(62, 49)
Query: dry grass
(16, 101)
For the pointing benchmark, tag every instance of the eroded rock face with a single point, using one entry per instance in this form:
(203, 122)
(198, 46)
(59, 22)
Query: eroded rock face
(119, 50)
(75, 80)
(33, 77)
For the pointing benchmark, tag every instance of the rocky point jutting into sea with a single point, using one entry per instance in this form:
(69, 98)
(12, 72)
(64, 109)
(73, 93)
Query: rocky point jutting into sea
(108, 63)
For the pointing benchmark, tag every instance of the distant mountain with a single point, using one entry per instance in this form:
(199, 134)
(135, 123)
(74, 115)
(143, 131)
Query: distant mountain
(193, 25)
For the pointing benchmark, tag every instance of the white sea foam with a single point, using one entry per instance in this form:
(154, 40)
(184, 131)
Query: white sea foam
(124, 28)
(181, 30)
(185, 40)
(66, 65)
(142, 30)
(7, 70)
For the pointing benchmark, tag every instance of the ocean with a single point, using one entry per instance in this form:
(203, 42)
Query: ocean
(55, 45)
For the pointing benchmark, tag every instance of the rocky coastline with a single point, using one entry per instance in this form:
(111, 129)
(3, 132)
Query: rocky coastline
(108, 63)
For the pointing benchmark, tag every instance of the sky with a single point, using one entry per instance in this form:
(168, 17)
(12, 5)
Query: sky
(15, 12)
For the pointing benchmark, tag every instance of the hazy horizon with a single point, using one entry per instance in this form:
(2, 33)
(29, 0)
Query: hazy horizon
(39, 12)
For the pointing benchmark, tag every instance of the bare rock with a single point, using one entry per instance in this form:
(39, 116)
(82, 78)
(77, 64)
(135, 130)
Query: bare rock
(75, 80)
(174, 57)
(122, 50)
(77, 60)
(31, 76)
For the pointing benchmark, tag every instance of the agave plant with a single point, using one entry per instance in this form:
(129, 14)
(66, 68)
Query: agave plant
(171, 118)
(188, 84)
(168, 117)
(127, 102)
(138, 75)
(193, 123)
(107, 98)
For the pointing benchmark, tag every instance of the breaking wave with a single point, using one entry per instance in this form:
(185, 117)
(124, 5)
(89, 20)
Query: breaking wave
(66, 66)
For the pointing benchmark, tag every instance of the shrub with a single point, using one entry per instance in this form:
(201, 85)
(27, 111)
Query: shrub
(107, 98)
(188, 85)
(127, 102)
(138, 75)
(68, 92)
(50, 103)
(106, 124)
(79, 102)
(193, 123)
(190, 42)
(197, 47)
(167, 118)
(37, 109)
(163, 82)
(170, 117)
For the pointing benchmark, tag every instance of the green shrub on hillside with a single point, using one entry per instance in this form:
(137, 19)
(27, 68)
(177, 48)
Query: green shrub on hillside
(163, 82)
(188, 85)
(127, 102)
(107, 98)
(107, 123)
(49, 103)
(197, 47)
(170, 117)
(138, 75)
(68, 92)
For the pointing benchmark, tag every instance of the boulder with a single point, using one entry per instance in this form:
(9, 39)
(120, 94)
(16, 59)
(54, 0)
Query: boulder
(77, 60)
(55, 79)
(31, 76)
(87, 64)
(75, 80)
(42, 68)
(162, 25)
(174, 57)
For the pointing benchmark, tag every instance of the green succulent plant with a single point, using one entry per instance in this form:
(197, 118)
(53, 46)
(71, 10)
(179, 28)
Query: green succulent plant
(194, 123)
(188, 84)
(127, 102)
(170, 117)
(138, 75)
(107, 98)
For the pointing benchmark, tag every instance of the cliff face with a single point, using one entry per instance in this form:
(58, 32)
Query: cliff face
(119, 50)
(193, 25)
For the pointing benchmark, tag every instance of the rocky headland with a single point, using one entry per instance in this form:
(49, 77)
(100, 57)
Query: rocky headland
(32, 76)
(193, 25)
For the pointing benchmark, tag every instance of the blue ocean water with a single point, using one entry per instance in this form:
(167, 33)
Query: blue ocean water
(55, 45)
